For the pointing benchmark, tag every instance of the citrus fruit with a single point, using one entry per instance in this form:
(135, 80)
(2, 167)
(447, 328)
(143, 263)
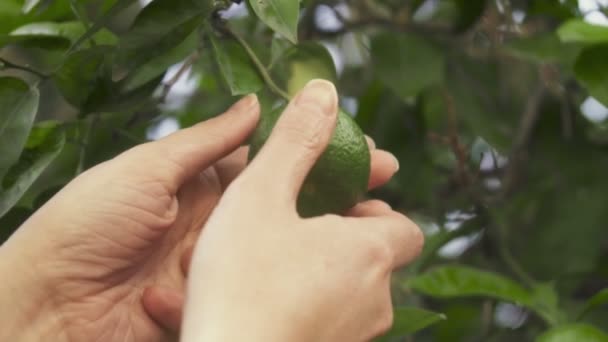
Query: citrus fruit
(340, 176)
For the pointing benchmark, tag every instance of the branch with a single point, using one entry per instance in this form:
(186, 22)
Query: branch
(258, 64)
(528, 121)
(180, 72)
(5, 64)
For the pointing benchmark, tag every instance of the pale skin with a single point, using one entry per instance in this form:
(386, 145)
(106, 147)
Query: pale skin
(109, 258)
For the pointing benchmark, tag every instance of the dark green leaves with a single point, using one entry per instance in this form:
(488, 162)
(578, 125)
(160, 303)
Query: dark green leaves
(409, 320)
(45, 143)
(83, 72)
(279, 15)
(19, 104)
(161, 26)
(592, 71)
(574, 333)
(236, 66)
(407, 63)
(598, 300)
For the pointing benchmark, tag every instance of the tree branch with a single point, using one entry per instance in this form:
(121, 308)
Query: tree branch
(5, 64)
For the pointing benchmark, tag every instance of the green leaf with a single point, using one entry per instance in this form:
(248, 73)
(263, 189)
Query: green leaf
(161, 26)
(161, 63)
(462, 281)
(280, 15)
(591, 70)
(47, 142)
(19, 103)
(574, 333)
(598, 300)
(547, 48)
(580, 31)
(407, 63)
(236, 67)
(30, 5)
(53, 34)
(409, 320)
(70, 30)
(301, 63)
(11, 221)
(83, 72)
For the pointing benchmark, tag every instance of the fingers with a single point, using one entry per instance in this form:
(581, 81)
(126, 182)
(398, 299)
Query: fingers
(298, 139)
(231, 166)
(185, 260)
(369, 209)
(402, 237)
(383, 167)
(193, 149)
(164, 306)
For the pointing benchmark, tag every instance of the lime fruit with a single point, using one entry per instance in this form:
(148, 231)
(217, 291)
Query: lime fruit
(339, 179)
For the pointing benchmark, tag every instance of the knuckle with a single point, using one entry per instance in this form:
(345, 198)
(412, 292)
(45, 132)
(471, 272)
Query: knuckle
(385, 321)
(379, 253)
(417, 241)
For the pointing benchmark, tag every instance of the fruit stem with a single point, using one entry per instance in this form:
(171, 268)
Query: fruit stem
(258, 64)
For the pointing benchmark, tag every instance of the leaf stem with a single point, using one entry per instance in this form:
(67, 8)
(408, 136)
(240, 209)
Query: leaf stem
(84, 144)
(259, 65)
(10, 65)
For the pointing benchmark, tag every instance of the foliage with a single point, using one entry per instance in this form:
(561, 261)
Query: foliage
(480, 100)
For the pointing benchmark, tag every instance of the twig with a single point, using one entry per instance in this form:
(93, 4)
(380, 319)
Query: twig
(524, 134)
(459, 150)
(180, 72)
(258, 64)
(9, 65)
(91, 123)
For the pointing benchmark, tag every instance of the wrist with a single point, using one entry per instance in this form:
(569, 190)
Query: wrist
(28, 309)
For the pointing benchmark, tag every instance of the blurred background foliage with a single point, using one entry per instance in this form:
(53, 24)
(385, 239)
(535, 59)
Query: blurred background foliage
(496, 109)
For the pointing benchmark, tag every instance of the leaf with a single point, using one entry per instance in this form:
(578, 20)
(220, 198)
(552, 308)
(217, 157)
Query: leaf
(159, 27)
(19, 105)
(462, 281)
(591, 70)
(409, 320)
(161, 63)
(236, 67)
(574, 333)
(599, 299)
(407, 63)
(299, 64)
(579, 31)
(48, 141)
(29, 5)
(11, 221)
(280, 15)
(70, 30)
(83, 72)
(547, 48)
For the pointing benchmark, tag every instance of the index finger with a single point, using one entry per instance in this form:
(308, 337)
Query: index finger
(400, 234)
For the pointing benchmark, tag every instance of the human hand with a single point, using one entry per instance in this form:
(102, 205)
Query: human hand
(262, 273)
(79, 266)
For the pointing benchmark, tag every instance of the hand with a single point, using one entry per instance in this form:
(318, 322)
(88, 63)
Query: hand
(262, 273)
(79, 266)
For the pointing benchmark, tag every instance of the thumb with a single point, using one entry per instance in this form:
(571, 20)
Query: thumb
(297, 140)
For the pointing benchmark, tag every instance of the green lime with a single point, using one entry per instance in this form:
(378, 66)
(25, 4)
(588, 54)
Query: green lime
(339, 179)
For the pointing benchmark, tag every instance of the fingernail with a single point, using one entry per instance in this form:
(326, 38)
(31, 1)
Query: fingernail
(321, 95)
(396, 163)
(370, 142)
(245, 103)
